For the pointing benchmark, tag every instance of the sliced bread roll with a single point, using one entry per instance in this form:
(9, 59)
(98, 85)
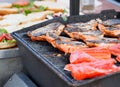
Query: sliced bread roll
(5, 5)
(53, 6)
(36, 16)
(5, 11)
(4, 45)
(12, 19)
(1, 17)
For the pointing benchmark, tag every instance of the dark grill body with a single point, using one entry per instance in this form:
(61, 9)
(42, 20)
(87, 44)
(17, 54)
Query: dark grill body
(43, 65)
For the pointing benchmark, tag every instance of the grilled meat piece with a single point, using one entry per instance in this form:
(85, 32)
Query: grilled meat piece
(90, 25)
(115, 50)
(70, 46)
(92, 69)
(87, 34)
(112, 22)
(90, 54)
(101, 52)
(80, 56)
(40, 33)
(105, 41)
(82, 34)
(110, 31)
(91, 35)
(51, 38)
(64, 44)
(92, 62)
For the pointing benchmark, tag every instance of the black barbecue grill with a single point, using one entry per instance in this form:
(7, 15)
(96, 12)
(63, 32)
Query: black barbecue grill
(43, 65)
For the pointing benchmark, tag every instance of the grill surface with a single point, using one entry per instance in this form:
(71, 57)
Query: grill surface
(44, 64)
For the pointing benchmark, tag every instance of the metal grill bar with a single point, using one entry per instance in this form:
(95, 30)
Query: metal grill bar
(74, 7)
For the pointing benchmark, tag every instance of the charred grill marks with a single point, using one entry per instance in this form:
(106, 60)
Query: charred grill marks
(64, 44)
(53, 27)
(111, 22)
(81, 35)
(90, 25)
(40, 33)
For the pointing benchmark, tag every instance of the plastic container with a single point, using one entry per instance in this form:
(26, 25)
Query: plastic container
(87, 6)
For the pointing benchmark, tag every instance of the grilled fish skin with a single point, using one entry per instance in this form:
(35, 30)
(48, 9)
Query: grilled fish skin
(109, 31)
(68, 47)
(112, 22)
(110, 27)
(64, 44)
(79, 35)
(40, 33)
(105, 41)
(51, 38)
(82, 34)
(90, 25)
(79, 31)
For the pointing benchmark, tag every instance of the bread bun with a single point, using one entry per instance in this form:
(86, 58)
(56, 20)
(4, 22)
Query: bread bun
(4, 45)
(1, 17)
(5, 11)
(11, 19)
(5, 5)
(53, 6)
(36, 16)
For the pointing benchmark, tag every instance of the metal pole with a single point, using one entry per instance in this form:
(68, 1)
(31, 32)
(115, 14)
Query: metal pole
(74, 7)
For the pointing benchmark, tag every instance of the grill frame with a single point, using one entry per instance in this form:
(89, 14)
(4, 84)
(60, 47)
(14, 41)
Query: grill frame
(44, 71)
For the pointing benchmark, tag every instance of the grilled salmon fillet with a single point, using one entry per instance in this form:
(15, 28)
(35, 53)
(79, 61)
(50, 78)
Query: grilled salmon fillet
(105, 41)
(115, 50)
(112, 22)
(92, 69)
(90, 25)
(52, 38)
(110, 27)
(82, 34)
(109, 30)
(40, 33)
(64, 44)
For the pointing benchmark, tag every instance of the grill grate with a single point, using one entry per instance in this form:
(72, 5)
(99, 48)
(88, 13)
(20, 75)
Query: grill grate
(55, 58)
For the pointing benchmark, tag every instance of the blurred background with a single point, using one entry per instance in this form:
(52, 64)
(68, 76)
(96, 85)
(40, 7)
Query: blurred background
(86, 6)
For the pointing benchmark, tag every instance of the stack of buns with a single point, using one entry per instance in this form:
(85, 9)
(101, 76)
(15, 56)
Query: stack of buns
(6, 8)
(12, 18)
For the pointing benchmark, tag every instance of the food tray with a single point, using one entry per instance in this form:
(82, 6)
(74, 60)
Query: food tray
(45, 68)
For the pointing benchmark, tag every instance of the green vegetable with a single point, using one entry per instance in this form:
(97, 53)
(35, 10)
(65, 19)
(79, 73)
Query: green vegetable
(64, 18)
(11, 41)
(42, 8)
(26, 12)
(17, 6)
(4, 40)
(29, 8)
(65, 11)
(30, 5)
(39, 9)
(3, 31)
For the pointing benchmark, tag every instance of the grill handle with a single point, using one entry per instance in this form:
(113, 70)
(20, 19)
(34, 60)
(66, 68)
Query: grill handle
(74, 7)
